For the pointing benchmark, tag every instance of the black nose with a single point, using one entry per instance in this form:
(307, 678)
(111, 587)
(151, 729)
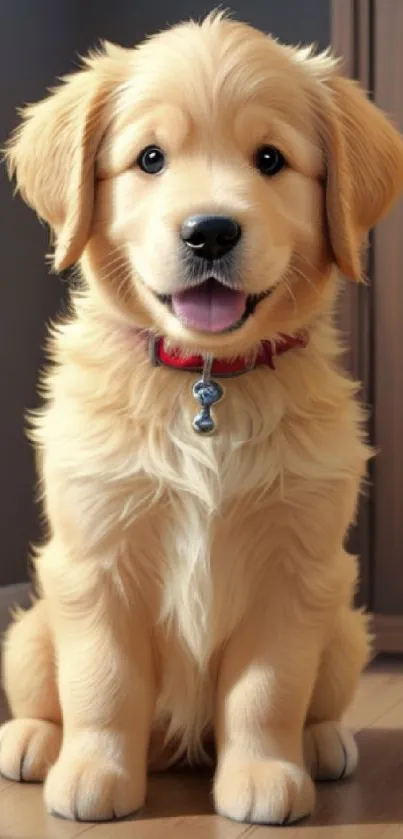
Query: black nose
(210, 236)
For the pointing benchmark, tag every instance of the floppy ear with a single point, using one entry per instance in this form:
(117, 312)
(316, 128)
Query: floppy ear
(364, 170)
(52, 152)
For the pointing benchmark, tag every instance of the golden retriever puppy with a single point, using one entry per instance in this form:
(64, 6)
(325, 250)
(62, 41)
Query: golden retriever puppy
(201, 449)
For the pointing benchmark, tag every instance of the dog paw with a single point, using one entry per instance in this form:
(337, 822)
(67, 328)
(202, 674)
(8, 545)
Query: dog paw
(330, 751)
(85, 787)
(263, 792)
(28, 747)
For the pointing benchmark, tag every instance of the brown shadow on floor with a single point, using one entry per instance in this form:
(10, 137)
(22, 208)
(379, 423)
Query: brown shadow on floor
(179, 794)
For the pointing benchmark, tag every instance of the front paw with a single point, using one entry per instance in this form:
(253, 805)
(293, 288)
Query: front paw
(263, 791)
(93, 787)
(330, 751)
(28, 747)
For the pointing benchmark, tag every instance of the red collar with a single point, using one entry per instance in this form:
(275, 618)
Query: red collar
(265, 357)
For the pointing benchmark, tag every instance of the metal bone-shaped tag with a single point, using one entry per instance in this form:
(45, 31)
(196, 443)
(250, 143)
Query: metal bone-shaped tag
(208, 393)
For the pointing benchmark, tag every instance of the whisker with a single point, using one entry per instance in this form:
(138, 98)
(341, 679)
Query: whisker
(294, 271)
(291, 293)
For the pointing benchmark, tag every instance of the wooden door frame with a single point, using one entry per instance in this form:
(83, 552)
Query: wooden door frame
(352, 40)
(368, 34)
(388, 368)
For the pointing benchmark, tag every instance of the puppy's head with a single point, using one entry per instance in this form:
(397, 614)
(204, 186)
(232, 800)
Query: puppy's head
(208, 180)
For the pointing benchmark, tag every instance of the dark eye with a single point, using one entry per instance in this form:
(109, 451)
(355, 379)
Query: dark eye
(269, 160)
(151, 160)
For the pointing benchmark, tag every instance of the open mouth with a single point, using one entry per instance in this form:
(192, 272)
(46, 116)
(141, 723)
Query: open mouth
(212, 307)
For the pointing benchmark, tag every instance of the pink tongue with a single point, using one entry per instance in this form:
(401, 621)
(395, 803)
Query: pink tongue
(210, 307)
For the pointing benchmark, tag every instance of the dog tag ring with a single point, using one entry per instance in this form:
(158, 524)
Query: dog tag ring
(208, 392)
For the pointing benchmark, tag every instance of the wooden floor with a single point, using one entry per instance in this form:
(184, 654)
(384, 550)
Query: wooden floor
(180, 806)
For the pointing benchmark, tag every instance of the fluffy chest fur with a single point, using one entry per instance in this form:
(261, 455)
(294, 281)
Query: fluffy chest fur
(130, 477)
(201, 529)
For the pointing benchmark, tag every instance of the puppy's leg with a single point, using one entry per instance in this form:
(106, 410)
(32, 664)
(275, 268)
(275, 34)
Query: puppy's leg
(330, 749)
(107, 692)
(265, 683)
(30, 744)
